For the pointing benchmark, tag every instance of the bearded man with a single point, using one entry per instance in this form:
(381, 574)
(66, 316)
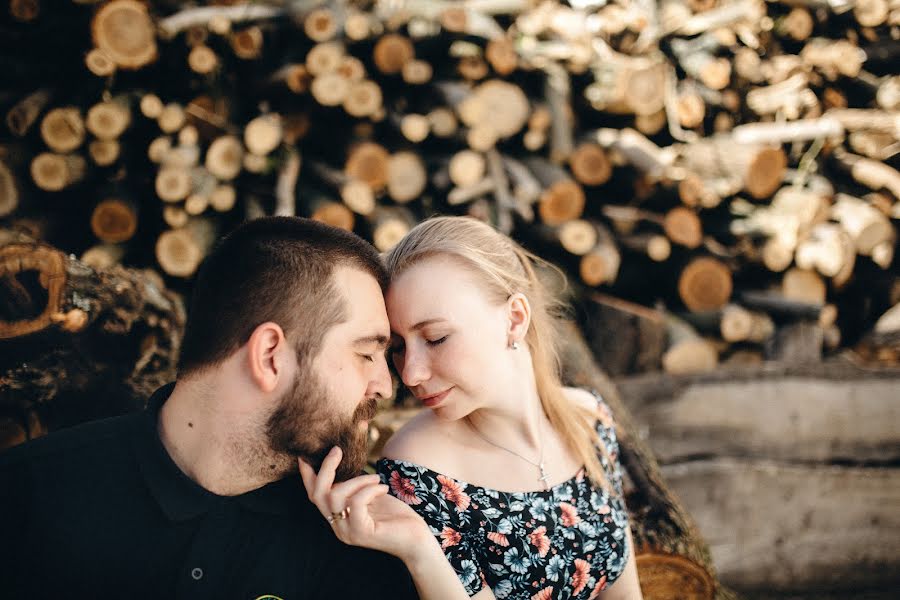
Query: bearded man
(199, 495)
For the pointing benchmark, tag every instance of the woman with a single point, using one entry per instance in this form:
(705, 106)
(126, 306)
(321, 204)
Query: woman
(515, 475)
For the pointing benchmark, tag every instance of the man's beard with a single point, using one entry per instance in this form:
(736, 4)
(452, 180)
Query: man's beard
(306, 425)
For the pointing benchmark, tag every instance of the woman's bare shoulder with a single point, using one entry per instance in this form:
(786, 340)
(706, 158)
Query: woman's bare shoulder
(423, 440)
(587, 401)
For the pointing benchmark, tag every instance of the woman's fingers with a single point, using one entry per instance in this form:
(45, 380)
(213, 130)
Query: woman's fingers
(308, 476)
(325, 477)
(338, 497)
(358, 503)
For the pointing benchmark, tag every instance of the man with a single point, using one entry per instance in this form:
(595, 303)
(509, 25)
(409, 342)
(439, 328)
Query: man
(198, 496)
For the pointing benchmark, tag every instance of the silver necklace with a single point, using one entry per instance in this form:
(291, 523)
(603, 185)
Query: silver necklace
(544, 478)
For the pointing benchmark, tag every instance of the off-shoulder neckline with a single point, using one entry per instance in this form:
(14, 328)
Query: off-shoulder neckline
(551, 491)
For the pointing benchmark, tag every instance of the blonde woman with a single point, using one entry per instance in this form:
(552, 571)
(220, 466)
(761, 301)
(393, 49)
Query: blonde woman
(516, 476)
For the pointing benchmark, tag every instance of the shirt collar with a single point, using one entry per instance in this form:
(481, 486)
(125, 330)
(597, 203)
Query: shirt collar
(180, 497)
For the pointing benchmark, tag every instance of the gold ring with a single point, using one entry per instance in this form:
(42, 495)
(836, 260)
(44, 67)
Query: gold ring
(339, 515)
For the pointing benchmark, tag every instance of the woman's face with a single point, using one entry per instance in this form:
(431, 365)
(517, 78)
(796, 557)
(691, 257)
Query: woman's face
(449, 341)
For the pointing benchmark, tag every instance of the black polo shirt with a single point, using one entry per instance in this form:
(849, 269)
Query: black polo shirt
(102, 511)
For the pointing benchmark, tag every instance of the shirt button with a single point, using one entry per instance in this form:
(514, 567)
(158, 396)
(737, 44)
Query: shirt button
(197, 573)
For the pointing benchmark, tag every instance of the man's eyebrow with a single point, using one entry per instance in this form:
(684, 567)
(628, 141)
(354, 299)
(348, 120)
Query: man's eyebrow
(426, 322)
(380, 340)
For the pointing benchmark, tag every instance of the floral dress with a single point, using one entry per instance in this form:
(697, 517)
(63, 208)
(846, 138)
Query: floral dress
(565, 542)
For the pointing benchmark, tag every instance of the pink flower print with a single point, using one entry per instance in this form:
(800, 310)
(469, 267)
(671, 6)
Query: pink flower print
(404, 489)
(539, 540)
(450, 537)
(452, 492)
(498, 538)
(569, 514)
(601, 585)
(580, 576)
(544, 594)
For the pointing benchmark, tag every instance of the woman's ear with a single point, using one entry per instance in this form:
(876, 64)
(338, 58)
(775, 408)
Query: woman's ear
(518, 311)
(265, 355)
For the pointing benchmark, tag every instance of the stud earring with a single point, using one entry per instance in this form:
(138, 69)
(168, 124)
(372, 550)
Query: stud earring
(514, 345)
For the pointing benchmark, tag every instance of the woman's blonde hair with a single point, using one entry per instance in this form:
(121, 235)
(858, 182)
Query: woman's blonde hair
(506, 268)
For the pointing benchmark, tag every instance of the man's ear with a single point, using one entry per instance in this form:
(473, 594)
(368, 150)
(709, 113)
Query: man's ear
(266, 356)
(518, 311)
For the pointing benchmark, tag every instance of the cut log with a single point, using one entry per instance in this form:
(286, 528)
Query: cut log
(55, 172)
(331, 213)
(363, 98)
(417, 72)
(626, 85)
(9, 190)
(389, 225)
(104, 152)
(202, 59)
(99, 63)
(324, 58)
(368, 162)
(103, 256)
(171, 118)
(601, 264)
(467, 168)
(224, 158)
(114, 220)
(175, 216)
(803, 286)
(656, 246)
(180, 251)
(590, 164)
(247, 43)
(321, 24)
(873, 174)
(62, 129)
(760, 168)
(173, 183)
(637, 150)
(151, 106)
(562, 199)
(414, 127)
(263, 134)
(222, 198)
(578, 236)
(25, 112)
(741, 325)
(391, 52)
(406, 176)
(124, 31)
(497, 104)
(107, 120)
(683, 226)
(867, 226)
(705, 284)
(687, 352)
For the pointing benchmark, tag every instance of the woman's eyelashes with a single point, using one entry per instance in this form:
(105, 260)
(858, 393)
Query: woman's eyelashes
(437, 342)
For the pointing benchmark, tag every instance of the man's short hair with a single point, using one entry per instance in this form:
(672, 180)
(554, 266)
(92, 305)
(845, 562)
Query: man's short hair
(275, 269)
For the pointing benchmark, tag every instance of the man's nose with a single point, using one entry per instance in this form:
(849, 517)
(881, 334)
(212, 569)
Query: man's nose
(381, 383)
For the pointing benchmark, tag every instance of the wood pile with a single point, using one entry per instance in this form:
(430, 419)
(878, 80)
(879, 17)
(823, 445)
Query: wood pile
(725, 173)
(717, 178)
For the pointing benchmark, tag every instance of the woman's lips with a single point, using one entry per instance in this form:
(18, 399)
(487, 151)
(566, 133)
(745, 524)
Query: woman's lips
(432, 401)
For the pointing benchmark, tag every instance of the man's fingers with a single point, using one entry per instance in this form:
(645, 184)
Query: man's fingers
(340, 492)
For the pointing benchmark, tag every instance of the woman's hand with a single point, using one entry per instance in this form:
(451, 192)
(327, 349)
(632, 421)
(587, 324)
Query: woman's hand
(362, 514)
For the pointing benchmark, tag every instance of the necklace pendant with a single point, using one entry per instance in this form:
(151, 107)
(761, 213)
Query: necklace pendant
(544, 477)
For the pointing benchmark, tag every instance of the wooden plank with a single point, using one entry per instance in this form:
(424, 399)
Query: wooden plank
(795, 527)
(799, 418)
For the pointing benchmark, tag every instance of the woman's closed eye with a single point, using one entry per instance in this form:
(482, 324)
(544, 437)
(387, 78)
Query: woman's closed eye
(438, 341)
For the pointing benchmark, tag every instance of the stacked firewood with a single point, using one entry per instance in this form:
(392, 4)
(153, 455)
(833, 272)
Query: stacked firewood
(718, 179)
